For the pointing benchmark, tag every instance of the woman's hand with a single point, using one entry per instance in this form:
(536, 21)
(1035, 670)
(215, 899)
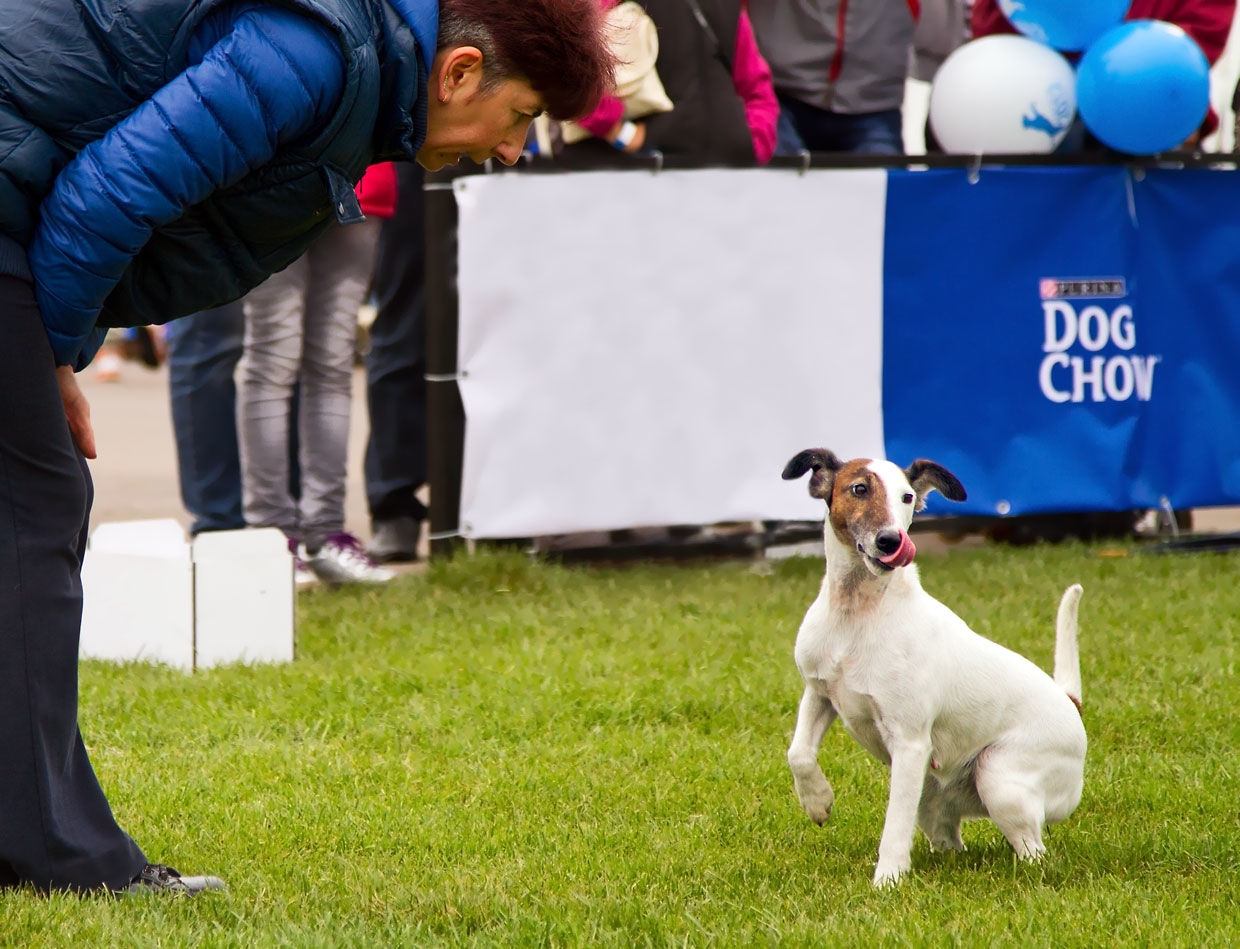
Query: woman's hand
(639, 139)
(639, 136)
(77, 410)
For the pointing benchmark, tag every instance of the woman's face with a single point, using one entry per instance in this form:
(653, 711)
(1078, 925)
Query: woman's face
(462, 119)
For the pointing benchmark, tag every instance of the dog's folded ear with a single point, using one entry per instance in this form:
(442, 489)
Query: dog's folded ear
(926, 476)
(822, 463)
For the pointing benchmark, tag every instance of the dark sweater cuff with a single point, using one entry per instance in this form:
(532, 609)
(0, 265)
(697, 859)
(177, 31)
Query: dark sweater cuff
(13, 261)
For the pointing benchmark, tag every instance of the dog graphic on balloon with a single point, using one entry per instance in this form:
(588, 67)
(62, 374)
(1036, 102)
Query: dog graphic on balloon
(1041, 123)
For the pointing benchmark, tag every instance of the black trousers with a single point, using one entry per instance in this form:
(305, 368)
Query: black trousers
(56, 828)
(396, 364)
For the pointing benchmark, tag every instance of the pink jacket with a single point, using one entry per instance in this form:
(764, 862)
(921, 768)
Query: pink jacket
(750, 75)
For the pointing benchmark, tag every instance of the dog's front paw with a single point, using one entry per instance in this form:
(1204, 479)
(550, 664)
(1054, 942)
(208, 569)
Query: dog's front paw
(817, 798)
(889, 872)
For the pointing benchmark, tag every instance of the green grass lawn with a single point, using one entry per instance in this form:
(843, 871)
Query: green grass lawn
(502, 752)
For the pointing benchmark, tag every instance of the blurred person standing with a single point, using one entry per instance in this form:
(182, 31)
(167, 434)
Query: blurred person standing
(301, 331)
(724, 107)
(395, 464)
(839, 69)
(162, 157)
(203, 351)
(143, 344)
(942, 27)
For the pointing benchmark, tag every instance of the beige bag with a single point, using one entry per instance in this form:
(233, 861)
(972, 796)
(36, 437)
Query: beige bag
(635, 41)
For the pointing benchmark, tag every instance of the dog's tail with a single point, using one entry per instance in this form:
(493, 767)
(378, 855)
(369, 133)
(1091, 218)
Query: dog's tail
(1067, 657)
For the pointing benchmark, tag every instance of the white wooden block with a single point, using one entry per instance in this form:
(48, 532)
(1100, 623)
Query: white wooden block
(151, 595)
(243, 597)
(158, 538)
(138, 608)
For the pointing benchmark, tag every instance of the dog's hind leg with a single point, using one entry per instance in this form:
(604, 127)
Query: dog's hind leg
(1016, 804)
(814, 717)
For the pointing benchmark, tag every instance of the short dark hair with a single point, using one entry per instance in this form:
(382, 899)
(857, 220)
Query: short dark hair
(558, 46)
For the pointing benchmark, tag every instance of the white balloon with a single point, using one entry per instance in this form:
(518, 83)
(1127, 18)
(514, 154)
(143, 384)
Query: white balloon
(1002, 95)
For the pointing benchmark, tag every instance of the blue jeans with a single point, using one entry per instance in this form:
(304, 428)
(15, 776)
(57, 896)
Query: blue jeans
(203, 351)
(804, 127)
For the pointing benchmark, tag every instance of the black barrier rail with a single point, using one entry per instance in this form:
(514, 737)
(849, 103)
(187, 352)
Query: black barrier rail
(656, 161)
(445, 411)
(445, 422)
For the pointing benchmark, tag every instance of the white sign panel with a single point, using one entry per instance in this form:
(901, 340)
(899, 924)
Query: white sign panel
(645, 349)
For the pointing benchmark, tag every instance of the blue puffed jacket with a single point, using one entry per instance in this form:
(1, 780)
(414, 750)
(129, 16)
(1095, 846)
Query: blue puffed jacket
(159, 157)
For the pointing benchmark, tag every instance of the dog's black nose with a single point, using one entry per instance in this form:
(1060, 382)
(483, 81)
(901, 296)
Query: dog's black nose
(887, 541)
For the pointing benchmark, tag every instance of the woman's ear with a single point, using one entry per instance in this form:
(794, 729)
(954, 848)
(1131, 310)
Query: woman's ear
(459, 71)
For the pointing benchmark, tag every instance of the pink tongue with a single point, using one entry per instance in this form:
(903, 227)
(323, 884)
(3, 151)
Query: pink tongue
(903, 555)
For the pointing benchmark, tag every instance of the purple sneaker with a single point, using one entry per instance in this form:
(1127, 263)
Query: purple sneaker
(342, 559)
(303, 576)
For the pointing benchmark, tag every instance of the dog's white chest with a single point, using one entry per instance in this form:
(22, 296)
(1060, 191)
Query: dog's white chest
(856, 705)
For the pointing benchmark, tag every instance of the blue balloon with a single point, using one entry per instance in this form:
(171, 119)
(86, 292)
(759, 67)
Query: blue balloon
(1144, 87)
(1064, 24)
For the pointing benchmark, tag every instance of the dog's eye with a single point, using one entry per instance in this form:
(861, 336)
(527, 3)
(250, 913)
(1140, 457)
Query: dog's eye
(908, 499)
(859, 490)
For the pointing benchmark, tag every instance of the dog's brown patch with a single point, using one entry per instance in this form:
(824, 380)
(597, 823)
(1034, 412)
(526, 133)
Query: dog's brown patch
(858, 502)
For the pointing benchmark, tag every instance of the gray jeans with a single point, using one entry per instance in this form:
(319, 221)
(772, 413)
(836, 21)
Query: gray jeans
(301, 327)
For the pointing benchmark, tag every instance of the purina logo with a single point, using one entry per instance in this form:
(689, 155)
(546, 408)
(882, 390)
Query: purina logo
(1073, 332)
(1052, 288)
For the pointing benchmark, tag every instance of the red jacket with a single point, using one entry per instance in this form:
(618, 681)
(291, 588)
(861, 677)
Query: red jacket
(376, 192)
(1206, 21)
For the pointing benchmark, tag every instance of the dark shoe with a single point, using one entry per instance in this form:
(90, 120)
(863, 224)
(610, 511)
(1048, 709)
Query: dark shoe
(395, 540)
(158, 878)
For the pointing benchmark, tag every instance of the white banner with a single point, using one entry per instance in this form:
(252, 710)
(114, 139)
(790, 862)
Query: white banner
(645, 349)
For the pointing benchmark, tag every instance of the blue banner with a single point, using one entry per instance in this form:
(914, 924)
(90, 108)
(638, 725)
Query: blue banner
(1065, 339)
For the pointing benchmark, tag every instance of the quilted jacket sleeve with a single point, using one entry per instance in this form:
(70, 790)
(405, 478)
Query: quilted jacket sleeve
(269, 80)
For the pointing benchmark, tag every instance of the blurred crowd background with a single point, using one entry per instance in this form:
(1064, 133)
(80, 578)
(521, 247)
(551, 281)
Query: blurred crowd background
(261, 393)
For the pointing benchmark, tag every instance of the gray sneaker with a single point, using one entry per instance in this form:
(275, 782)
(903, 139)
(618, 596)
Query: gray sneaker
(341, 559)
(394, 540)
(156, 878)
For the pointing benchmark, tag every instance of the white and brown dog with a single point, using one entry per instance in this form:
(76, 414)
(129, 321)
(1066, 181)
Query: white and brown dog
(968, 728)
